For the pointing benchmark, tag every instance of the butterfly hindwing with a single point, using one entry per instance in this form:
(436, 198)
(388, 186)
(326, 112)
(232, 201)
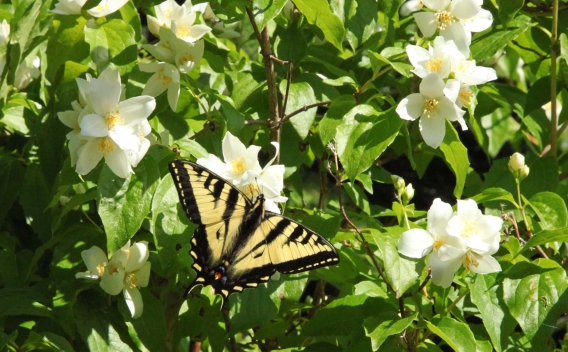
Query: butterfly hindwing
(238, 244)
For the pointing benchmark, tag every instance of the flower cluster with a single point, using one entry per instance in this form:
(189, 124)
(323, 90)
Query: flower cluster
(105, 125)
(179, 49)
(73, 7)
(241, 167)
(446, 71)
(454, 238)
(126, 271)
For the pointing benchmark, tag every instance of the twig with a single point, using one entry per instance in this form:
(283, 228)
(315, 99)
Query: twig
(542, 57)
(364, 242)
(278, 61)
(303, 108)
(257, 122)
(225, 312)
(454, 303)
(553, 53)
(267, 54)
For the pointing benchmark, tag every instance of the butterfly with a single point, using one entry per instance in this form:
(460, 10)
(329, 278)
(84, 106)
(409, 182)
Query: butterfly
(239, 244)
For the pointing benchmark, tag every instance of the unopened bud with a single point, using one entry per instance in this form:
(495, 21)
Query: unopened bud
(398, 183)
(516, 162)
(408, 194)
(523, 172)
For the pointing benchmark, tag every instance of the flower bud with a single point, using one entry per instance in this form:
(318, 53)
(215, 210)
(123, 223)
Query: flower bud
(407, 194)
(398, 183)
(523, 172)
(516, 162)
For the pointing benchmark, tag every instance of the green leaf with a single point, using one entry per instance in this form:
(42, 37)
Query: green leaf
(363, 135)
(46, 341)
(34, 198)
(150, 327)
(563, 39)
(539, 94)
(338, 108)
(456, 334)
(546, 179)
(494, 193)
(292, 45)
(112, 42)
(235, 119)
(337, 318)
(401, 273)
(170, 225)
(265, 10)
(300, 95)
(359, 18)
(11, 176)
(546, 236)
(385, 324)
(318, 12)
(24, 301)
(124, 203)
(24, 21)
(253, 307)
(455, 154)
(485, 294)
(551, 210)
(358, 196)
(96, 328)
(535, 294)
(66, 43)
(190, 147)
(487, 45)
(508, 9)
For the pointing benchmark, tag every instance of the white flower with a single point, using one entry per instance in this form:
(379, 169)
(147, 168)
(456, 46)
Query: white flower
(434, 60)
(127, 270)
(72, 118)
(28, 70)
(446, 252)
(106, 7)
(455, 19)
(166, 76)
(479, 233)
(176, 51)
(69, 7)
(117, 127)
(169, 14)
(433, 108)
(410, 6)
(241, 167)
(466, 71)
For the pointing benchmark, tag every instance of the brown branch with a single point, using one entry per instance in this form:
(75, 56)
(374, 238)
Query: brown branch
(553, 54)
(364, 242)
(266, 52)
(257, 122)
(303, 108)
(227, 319)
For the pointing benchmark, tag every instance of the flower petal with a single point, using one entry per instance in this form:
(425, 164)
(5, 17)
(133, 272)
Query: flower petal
(113, 283)
(415, 243)
(143, 275)
(138, 255)
(438, 216)
(433, 129)
(443, 271)
(118, 162)
(459, 35)
(233, 148)
(411, 107)
(94, 259)
(464, 9)
(94, 125)
(436, 4)
(133, 300)
(88, 156)
(479, 22)
(485, 265)
(426, 22)
(136, 109)
(432, 86)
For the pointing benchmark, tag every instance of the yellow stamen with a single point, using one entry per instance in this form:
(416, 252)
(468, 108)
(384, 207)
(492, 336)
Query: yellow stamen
(167, 13)
(434, 65)
(167, 44)
(113, 118)
(183, 32)
(444, 19)
(430, 108)
(469, 260)
(130, 280)
(438, 243)
(106, 146)
(239, 165)
(465, 96)
(251, 191)
(469, 229)
(101, 269)
(186, 58)
(465, 65)
(165, 79)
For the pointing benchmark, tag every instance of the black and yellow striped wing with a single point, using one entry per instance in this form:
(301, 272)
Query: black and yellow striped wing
(238, 244)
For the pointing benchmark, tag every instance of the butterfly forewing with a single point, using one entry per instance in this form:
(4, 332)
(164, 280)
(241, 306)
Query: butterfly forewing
(205, 197)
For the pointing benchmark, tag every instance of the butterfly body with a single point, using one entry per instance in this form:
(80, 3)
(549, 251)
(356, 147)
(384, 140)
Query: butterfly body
(239, 244)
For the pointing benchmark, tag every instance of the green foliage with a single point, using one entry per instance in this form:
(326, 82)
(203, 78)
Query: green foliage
(327, 91)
